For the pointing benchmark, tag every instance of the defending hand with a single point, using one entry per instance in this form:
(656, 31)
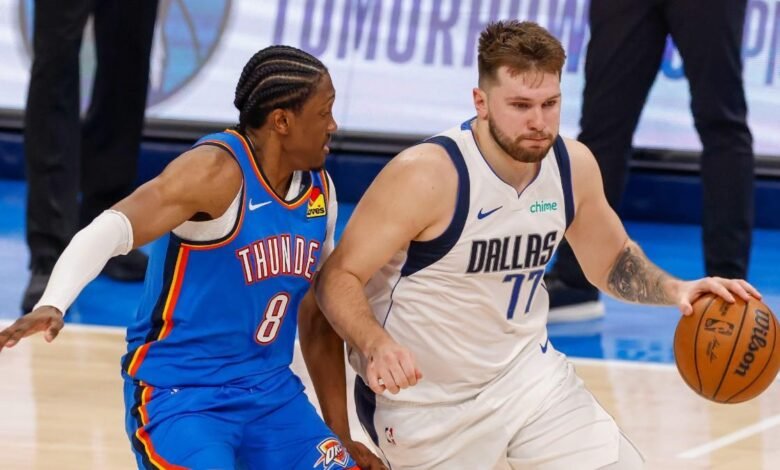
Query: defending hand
(47, 319)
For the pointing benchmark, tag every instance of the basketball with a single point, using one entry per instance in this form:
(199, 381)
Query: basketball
(727, 353)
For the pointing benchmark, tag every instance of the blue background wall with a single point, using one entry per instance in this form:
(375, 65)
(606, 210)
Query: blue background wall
(651, 195)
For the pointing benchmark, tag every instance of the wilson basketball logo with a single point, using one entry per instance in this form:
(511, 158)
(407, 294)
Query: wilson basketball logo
(316, 204)
(757, 341)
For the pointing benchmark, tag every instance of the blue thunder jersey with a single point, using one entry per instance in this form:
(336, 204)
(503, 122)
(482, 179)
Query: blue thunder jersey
(225, 311)
(471, 303)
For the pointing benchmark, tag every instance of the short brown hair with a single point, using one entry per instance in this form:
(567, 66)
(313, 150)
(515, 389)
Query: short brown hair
(521, 46)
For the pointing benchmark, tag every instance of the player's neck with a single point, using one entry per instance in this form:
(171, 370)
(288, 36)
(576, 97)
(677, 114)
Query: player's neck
(267, 153)
(517, 174)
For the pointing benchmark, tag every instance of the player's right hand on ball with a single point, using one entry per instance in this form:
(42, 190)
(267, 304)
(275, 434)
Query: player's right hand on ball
(47, 319)
(391, 367)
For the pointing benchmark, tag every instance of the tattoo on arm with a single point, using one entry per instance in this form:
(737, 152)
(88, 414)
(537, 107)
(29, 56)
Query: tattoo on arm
(635, 279)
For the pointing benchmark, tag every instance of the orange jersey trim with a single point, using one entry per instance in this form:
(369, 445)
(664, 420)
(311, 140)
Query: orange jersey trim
(173, 293)
(144, 437)
(303, 198)
(170, 306)
(325, 185)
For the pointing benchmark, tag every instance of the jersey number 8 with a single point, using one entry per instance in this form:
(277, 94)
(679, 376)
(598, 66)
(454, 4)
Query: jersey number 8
(272, 318)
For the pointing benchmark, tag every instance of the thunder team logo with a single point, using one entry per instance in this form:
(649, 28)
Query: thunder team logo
(186, 35)
(332, 455)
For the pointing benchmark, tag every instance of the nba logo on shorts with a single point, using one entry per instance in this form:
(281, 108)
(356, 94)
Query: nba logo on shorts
(332, 455)
(389, 435)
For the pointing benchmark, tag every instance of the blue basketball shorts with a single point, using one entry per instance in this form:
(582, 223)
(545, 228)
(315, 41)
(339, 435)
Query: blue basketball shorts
(272, 426)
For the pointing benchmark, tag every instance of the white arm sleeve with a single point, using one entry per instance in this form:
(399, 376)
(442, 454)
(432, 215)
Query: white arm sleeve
(109, 235)
(330, 233)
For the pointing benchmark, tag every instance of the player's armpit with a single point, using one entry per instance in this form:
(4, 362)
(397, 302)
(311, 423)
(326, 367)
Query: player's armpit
(204, 180)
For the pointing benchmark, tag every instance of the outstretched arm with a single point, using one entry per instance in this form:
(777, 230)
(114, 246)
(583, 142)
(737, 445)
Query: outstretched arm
(616, 264)
(203, 180)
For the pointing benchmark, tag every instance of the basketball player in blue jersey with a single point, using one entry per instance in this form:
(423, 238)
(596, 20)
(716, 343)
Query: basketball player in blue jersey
(239, 225)
(437, 283)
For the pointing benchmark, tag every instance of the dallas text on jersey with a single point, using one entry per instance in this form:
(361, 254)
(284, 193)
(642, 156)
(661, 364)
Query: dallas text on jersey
(510, 253)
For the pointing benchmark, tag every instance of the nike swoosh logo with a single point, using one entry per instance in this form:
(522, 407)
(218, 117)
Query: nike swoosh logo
(481, 215)
(257, 206)
(544, 347)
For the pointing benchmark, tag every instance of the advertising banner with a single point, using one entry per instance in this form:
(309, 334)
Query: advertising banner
(399, 66)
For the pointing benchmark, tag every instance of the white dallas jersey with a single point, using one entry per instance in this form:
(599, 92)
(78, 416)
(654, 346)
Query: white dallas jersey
(472, 301)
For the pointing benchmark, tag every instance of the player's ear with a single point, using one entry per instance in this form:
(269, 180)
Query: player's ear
(480, 102)
(280, 120)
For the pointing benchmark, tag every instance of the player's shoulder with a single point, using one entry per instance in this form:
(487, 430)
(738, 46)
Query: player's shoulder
(581, 158)
(585, 172)
(205, 169)
(419, 178)
(576, 149)
(424, 160)
(212, 162)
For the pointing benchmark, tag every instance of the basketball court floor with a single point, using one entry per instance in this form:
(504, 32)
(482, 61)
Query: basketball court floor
(61, 404)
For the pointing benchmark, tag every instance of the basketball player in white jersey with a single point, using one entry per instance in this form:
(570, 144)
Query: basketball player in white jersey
(437, 284)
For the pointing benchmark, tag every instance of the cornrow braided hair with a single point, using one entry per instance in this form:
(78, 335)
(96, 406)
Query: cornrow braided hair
(275, 77)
